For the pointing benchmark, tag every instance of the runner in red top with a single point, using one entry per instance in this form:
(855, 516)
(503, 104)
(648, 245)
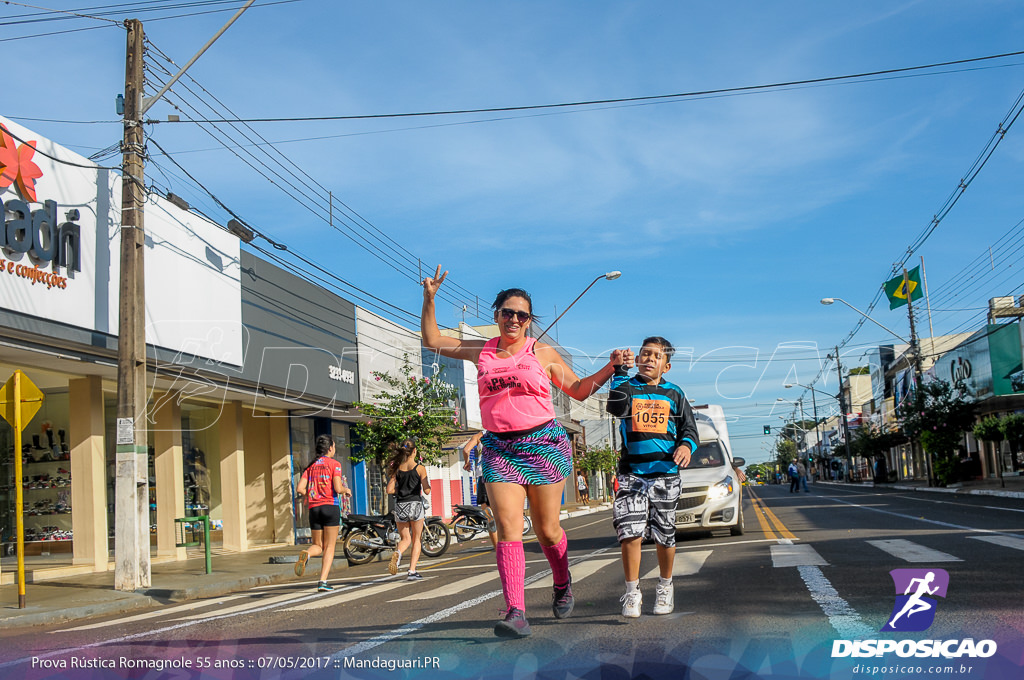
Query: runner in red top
(321, 485)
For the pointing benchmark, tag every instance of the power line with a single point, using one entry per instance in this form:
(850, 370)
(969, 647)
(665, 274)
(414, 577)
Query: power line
(622, 100)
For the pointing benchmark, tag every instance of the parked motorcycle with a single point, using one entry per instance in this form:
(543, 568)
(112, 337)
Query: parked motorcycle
(365, 536)
(470, 520)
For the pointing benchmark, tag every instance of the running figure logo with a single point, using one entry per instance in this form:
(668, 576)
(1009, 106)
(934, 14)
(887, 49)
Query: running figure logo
(914, 609)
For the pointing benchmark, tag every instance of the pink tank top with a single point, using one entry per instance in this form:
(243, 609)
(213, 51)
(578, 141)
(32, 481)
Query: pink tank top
(515, 392)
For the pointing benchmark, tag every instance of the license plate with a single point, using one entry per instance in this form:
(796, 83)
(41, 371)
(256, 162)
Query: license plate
(685, 519)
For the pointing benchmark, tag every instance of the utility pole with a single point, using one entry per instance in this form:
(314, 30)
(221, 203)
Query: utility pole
(131, 505)
(915, 350)
(842, 414)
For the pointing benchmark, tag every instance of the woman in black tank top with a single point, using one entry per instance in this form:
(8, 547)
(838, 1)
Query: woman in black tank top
(408, 482)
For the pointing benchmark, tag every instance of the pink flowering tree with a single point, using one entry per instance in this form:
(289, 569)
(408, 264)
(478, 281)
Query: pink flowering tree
(408, 406)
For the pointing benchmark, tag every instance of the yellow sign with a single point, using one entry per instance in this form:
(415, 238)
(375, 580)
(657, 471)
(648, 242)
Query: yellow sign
(31, 401)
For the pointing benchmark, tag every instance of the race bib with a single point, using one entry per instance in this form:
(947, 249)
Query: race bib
(651, 415)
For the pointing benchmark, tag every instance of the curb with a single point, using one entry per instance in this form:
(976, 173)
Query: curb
(119, 606)
(1001, 493)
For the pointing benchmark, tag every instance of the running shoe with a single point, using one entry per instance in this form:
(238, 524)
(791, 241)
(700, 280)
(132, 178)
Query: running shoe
(562, 600)
(514, 625)
(323, 587)
(414, 576)
(396, 557)
(631, 604)
(663, 603)
(300, 565)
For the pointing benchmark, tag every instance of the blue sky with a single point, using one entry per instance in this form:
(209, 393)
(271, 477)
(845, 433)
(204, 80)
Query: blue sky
(729, 216)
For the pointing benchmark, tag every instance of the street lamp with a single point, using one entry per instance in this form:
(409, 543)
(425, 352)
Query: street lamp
(611, 276)
(828, 301)
(814, 405)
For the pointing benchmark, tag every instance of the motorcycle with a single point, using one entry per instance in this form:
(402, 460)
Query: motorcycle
(366, 536)
(470, 520)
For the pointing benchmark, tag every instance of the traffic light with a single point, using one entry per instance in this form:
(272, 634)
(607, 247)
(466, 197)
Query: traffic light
(767, 429)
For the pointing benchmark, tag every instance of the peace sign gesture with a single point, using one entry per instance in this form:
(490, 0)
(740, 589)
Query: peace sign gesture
(431, 285)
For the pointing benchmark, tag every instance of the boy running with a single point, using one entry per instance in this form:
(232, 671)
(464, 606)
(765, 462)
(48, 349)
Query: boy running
(659, 435)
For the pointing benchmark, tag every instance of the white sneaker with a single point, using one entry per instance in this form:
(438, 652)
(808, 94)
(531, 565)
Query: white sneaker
(631, 604)
(664, 603)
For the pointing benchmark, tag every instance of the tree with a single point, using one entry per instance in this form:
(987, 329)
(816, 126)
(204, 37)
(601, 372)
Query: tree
(424, 408)
(1012, 427)
(761, 471)
(595, 459)
(937, 415)
(785, 452)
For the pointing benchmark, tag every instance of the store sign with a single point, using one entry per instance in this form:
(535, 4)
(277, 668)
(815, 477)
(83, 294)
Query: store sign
(36, 234)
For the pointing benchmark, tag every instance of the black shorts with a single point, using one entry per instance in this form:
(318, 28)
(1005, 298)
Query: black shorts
(324, 516)
(481, 492)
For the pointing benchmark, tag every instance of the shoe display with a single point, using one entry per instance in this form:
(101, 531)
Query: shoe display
(631, 604)
(514, 625)
(300, 566)
(663, 603)
(562, 600)
(323, 587)
(396, 557)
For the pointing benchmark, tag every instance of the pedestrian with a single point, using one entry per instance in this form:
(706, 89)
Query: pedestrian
(408, 482)
(801, 471)
(659, 435)
(526, 452)
(322, 486)
(581, 486)
(794, 477)
(481, 489)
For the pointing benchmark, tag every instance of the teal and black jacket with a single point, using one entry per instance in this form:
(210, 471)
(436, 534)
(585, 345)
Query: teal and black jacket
(656, 420)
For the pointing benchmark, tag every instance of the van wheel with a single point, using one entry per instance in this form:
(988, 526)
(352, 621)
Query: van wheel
(737, 529)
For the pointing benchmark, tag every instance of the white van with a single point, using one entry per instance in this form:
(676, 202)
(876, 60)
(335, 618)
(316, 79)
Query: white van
(712, 495)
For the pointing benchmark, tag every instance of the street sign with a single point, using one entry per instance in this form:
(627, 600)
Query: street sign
(31, 401)
(20, 401)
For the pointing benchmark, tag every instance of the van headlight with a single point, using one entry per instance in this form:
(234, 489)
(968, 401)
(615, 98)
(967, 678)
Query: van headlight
(720, 490)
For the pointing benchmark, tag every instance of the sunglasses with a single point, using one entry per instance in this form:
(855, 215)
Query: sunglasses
(507, 315)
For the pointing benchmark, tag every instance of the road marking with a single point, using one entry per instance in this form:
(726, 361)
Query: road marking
(580, 571)
(242, 608)
(913, 552)
(378, 640)
(844, 618)
(1014, 542)
(948, 525)
(686, 564)
(453, 588)
(349, 594)
(790, 555)
(149, 615)
(762, 508)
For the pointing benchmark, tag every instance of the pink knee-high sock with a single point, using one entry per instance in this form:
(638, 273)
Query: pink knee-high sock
(512, 570)
(558, 558)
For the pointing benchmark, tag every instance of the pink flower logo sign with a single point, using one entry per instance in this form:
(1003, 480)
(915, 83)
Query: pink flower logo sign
(16, 165)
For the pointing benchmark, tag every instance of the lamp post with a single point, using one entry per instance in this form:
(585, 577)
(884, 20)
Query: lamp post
(814, 405)
(611, 276)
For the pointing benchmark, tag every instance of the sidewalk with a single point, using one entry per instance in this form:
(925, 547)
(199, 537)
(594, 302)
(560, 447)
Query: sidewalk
(85, 595)
(1009, 487)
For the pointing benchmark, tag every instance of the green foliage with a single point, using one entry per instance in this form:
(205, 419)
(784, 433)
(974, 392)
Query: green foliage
(763, 471)
(870, 442)
(937, 416)
(860, 370)
(1012, 427)
(594, 459)
(424, 408)
(989, 429)
(946, 466)
(785, 451)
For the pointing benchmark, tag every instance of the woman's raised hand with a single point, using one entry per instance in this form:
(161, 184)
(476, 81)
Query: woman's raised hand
(431, 285)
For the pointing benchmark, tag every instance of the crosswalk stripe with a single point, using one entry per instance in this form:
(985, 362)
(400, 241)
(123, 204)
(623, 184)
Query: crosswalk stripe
(150, 615)
(1005, 541)
(792, 555)
(348, 595)
(255, 603)
(686, 564)
(579, 572)
(913, 552)
(453, 588)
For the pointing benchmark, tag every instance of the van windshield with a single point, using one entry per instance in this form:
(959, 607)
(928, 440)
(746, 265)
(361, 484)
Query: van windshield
(707, 455)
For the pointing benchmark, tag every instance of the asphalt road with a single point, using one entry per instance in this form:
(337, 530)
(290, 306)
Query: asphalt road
(812, 568)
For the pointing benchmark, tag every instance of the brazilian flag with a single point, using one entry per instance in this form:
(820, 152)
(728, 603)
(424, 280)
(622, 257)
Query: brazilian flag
(897, 292)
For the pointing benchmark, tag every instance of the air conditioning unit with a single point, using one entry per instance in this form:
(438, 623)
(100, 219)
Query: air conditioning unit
(1001, 307)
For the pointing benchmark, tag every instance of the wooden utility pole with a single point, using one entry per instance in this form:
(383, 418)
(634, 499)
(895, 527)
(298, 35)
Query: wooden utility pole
(131, 506)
